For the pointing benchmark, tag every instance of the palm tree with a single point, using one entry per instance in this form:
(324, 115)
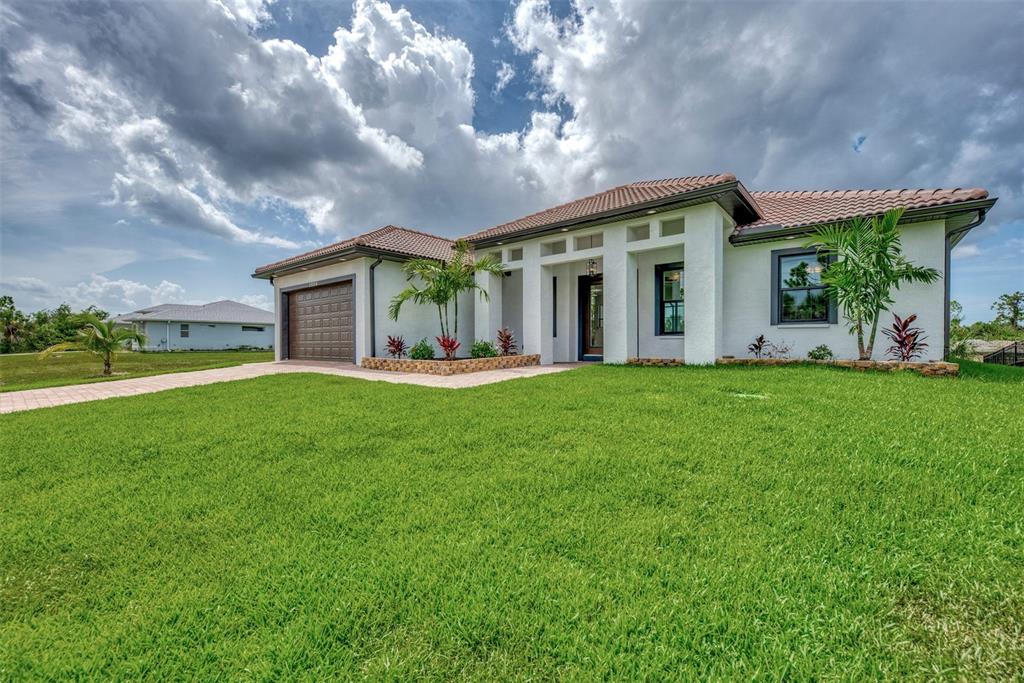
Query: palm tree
(442, 282)
(101, 337)
(868, 265)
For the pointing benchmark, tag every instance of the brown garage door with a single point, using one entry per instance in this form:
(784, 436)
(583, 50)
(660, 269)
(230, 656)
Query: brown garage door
(321, 323)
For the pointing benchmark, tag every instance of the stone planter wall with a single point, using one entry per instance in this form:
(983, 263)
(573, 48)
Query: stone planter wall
(659, 362)
(449, 367)
(933, 369)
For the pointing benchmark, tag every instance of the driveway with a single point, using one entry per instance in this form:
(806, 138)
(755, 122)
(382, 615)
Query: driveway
(30, 399)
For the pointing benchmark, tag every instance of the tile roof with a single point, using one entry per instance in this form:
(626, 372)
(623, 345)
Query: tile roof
(225, 311)
(391, 239)
(791, 209)
(621, 197)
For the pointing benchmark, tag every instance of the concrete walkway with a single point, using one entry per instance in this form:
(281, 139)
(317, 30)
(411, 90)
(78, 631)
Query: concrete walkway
(30, 399)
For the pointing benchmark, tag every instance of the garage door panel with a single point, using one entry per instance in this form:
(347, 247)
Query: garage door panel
(321, 323)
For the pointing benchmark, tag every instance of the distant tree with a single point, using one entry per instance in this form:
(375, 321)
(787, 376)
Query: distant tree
(1009, 309)
(100, 337)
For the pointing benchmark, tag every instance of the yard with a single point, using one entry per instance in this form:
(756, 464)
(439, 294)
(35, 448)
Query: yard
(609, 522)
(27, 371)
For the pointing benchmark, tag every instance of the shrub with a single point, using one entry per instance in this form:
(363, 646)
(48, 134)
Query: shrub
(483, 349)
(397, 346)
(907, 341)
(422, 350)
(758, 346)
(507, 342)
(780, 350)
(821, 352)
(449, 345)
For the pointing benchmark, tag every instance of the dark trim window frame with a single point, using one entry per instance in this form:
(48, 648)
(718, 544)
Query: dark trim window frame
(677, 305)
(183, 331)
(251, 328)
(554, 306)
(831, 316)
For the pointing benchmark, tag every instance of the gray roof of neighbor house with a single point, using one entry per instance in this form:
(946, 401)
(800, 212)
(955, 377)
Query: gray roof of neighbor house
(390, 240)
(225, 311)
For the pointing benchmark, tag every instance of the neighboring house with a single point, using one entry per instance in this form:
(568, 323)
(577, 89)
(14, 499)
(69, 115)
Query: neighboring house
(684, 268)
(218, 325)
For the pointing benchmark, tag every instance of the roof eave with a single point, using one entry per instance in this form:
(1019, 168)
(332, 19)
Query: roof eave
(357, 251)
(771, 233)
(731, 196)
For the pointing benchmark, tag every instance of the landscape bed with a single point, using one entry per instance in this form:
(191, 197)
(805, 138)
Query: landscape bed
(27, 371)
(604, 523)
(458, 366)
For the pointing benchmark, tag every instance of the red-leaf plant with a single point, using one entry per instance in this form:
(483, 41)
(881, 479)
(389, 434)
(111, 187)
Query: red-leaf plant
(758, 347)
(449, 345)
(397, 346)
(507, 342)
(907, 341)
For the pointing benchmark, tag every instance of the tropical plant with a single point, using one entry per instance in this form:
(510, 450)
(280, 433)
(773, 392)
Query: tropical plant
(483, 349)
(101, 337)
(1009, 310)
(907, 341)
(396, 346)
(439, 283)
(868, 265)
(507, 342)
(449, 345)
(821, 352)
(757, 347)
(422, 350)
(777, 350)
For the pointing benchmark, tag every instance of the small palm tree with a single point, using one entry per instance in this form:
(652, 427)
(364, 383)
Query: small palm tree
(442, 282)
(101, 337)
(869, 264)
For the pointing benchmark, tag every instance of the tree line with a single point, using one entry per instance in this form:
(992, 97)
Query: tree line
(30, 332)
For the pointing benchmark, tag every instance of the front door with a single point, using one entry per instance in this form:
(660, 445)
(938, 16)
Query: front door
(592, 313)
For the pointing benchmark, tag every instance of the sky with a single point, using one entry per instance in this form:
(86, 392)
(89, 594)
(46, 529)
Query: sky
(158, 152)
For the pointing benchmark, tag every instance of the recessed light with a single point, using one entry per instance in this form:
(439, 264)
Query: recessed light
(500, 243)
(565, 229)
(650, 211)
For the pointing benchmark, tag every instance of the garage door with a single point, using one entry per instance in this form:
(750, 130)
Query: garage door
(321, 323)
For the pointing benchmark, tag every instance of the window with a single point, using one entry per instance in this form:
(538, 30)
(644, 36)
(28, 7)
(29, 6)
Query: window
(251, 328)
(551, 248)
(673, 227)
(183, 332)
(798, 295)
(554, 307)
(515, 254)
(590, 241)
(638, 232)
(671, 309)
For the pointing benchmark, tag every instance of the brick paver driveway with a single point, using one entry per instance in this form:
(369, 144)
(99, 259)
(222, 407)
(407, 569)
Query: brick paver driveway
(14, 401)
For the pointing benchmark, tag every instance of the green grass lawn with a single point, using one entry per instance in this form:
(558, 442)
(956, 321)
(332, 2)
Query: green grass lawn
(609, 522)
(27, 371)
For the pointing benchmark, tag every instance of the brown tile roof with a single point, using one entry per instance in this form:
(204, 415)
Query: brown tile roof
(390, 239)
(792, 209)
(621, 197)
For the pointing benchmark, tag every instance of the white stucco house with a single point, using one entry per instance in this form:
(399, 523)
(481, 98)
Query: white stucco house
(215, 326)
(684, 268)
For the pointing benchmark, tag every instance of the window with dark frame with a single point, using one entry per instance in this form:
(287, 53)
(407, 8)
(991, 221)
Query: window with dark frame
(554, 306)
(183, 331)
(251, 328)
(670, 290)
(798, 294)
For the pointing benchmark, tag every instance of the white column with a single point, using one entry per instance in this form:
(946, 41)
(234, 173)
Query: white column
(536, 305)
(487, 311)
(703, 272)
(619, 297)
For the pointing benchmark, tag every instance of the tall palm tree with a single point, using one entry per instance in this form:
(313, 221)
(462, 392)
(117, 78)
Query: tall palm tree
(440, 283)
(101, 337)
(868, 265)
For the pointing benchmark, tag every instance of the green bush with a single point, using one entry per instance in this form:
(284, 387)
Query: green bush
(821, 352)
(483, 349)
(422, 350)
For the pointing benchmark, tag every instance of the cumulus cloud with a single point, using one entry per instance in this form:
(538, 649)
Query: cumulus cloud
(203, 118)
(112, 295)
(258, 300)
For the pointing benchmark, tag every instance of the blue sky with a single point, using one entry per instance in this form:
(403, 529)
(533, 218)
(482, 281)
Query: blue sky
(161, 151)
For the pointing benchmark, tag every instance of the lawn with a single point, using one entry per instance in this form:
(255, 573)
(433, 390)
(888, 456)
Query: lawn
(27, 371)
(604, 523)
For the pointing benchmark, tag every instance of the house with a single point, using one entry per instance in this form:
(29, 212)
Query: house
(219, 325)
(685, 268)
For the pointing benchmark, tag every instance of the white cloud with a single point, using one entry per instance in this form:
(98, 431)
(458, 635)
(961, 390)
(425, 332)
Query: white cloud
(965, 251)
(258, 300)
(121, 294)
(506, 72)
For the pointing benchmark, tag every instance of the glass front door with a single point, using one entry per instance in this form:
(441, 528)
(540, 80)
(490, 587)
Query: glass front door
(592, 299)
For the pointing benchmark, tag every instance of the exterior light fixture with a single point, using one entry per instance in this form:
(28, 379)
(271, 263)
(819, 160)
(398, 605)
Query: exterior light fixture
(650, 211)
(565, 229)
(591, 267)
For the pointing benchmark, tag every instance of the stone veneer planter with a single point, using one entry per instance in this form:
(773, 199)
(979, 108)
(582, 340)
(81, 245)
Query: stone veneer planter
(929, 369)
(659, 362)
(450, 367)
